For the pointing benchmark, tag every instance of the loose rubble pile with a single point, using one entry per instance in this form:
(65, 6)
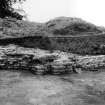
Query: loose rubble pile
(13, 57)
(92, 63)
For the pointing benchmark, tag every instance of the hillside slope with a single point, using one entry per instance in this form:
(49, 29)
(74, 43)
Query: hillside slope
(62, 26)
(12, 28)
(72, 35)
(71, 26)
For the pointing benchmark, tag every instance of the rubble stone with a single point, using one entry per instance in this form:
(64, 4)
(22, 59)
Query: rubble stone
(46, 62)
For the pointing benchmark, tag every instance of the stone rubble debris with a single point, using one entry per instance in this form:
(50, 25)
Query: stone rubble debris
(39, 61)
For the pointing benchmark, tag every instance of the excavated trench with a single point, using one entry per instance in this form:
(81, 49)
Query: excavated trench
(21, 87)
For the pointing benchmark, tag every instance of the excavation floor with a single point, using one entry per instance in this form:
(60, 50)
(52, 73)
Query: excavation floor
(24, 88)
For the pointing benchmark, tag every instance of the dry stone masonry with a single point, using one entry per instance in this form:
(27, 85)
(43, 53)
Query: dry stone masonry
(13, 57)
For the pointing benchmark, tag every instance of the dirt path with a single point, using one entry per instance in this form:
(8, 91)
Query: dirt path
(17, 88)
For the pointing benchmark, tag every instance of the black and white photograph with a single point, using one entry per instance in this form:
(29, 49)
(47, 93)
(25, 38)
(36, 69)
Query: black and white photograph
(52, 52)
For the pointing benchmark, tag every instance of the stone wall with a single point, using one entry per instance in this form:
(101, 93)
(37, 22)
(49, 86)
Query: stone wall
(37, 61)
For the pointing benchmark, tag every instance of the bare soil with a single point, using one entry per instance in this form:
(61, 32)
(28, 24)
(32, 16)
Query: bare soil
(24, 88)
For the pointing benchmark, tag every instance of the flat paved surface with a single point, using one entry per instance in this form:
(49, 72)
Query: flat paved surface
(23, 88)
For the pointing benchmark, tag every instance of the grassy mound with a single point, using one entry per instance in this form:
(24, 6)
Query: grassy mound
(71, 26)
